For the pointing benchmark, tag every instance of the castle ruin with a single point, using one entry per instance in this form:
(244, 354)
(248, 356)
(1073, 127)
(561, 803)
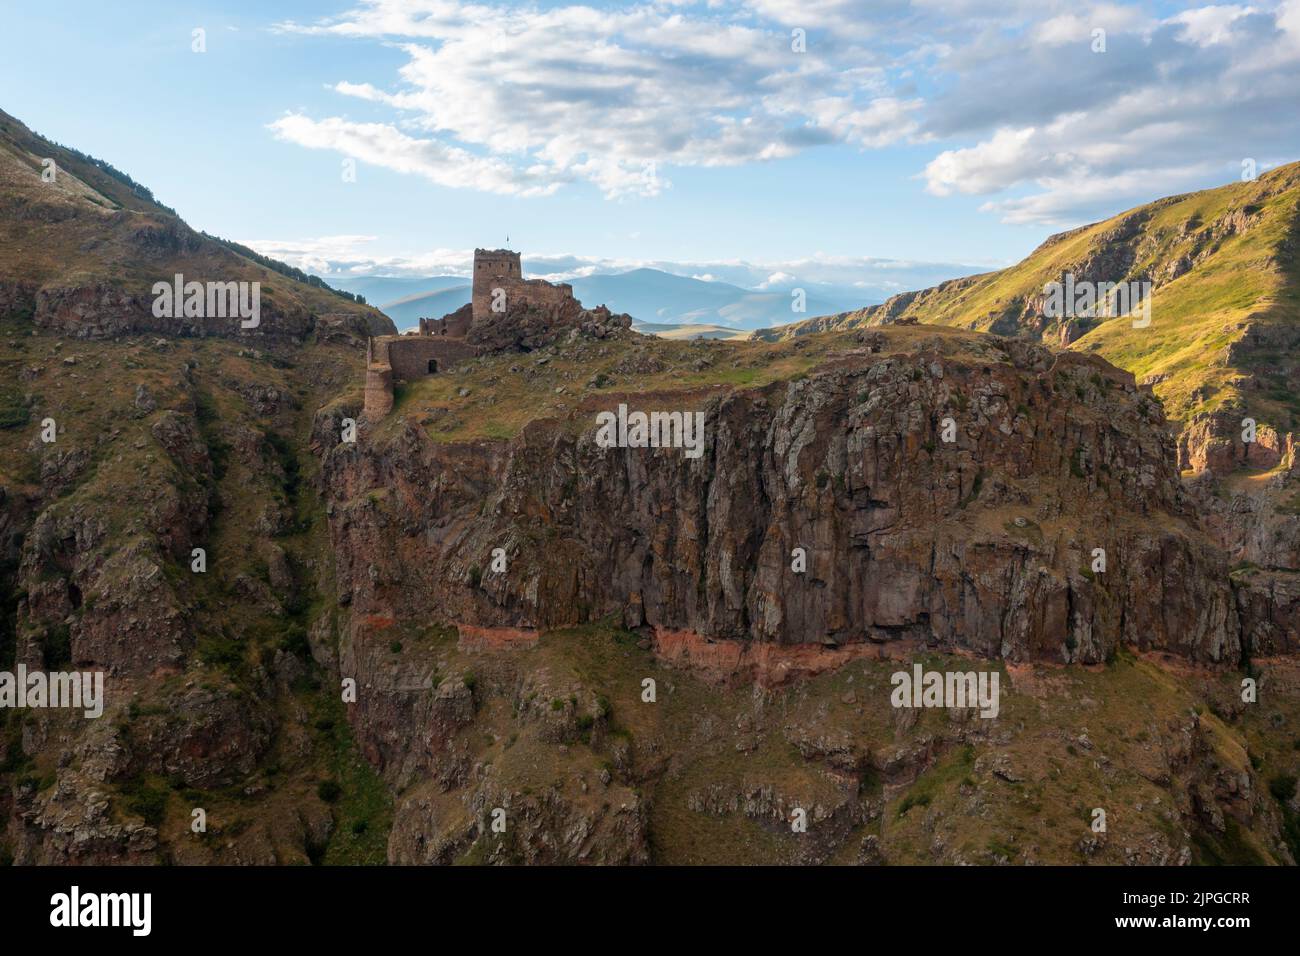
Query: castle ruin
(493, 269)
(506, 312)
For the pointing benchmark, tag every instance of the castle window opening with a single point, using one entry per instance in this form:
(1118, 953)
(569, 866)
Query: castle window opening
(433, 366)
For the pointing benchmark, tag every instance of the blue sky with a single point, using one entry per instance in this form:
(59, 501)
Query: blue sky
(683, 134)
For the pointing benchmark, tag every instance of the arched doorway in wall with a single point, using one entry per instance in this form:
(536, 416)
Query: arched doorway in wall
(433, 366)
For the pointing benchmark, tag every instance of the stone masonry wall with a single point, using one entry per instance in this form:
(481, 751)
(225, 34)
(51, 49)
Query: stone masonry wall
(409, 355)
(499, 268)
(379, 392)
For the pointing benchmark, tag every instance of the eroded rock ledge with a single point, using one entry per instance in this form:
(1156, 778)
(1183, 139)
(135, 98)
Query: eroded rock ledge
(985, 544)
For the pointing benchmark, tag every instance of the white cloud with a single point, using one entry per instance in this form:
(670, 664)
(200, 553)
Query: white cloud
(613, 97)
(1077, 25)
(1209, 25)
(1008, 94)
(778, 280)
(382, 145)
(1074, 198)
(1171, 106)
(842, 14)
(989, 166)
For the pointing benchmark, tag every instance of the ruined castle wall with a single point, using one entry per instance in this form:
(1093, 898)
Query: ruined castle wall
(454, 324)
(379, 392)
(410, 355)
(538, 293)
(555, 300)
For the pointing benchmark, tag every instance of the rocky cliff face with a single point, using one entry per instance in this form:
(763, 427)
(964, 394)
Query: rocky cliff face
(527, 324)
(104, 310)
(980, 546)
(1219, 352)
(161, 447)
(1221, 267)
(481, 690)
(985, 543)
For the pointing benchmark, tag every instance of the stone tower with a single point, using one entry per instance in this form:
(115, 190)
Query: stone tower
(493, 269)
(379, 381)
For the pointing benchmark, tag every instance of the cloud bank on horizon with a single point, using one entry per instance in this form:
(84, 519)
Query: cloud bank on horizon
(1057, 112)
(345, 256)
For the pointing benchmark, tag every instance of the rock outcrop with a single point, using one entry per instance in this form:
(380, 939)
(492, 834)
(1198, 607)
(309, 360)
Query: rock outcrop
(985, 544)
(530, 326)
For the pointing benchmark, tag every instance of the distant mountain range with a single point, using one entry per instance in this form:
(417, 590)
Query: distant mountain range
(652, 297)
(378, 289)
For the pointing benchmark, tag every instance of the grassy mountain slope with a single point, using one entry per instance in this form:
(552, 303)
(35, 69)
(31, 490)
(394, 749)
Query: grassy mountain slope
(93, 229)
(1223, 268)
